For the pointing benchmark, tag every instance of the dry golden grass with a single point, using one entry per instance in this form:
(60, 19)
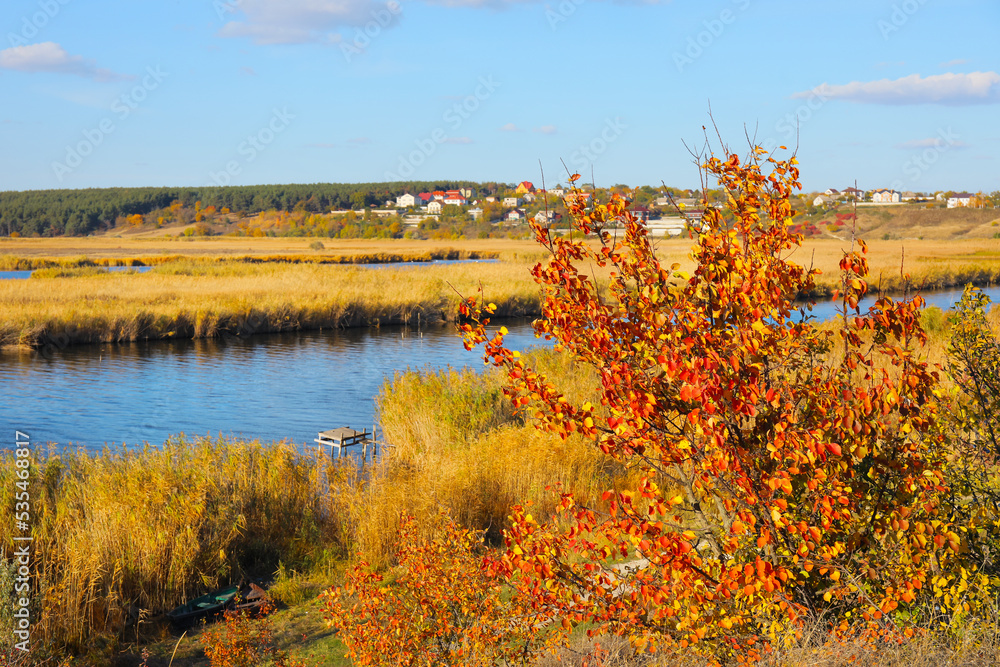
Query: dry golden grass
(196, 300)
(110, 247)
(267, 285)
(931, 264)
(916, 222)
(122, 536)
(457, 444)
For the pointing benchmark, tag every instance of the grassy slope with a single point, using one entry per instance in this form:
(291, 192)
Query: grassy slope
(299, 629)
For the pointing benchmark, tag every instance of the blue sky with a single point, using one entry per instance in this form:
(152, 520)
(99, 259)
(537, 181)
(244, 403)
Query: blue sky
(102, 93)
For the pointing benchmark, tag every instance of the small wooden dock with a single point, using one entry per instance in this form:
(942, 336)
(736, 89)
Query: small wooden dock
(339, 438)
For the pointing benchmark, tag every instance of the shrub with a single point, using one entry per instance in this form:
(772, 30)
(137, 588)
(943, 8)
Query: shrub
(789, 471)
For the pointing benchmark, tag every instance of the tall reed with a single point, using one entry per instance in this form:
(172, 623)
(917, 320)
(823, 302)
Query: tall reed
(120, 536)
(456, 443)
(192, 300)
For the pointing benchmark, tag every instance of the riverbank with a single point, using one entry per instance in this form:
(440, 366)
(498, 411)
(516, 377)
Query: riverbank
(221, 288)
(126, 534)
(197, 299)
(124, 249)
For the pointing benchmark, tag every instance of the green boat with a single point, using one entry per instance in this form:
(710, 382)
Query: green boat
(206, 605)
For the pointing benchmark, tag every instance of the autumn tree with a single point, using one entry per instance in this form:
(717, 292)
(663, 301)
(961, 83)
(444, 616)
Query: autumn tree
(791, 470)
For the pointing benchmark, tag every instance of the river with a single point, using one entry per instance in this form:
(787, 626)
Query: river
(282, 386)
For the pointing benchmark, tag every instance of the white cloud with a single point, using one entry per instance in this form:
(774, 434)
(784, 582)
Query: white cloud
(948, 89)
(50, 57)
(304, 21)
(933, 142)
(510, 127)
(546, 129)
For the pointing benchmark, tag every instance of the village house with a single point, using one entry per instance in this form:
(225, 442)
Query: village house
(425, 197)
(528, 197)
(832, 192)
(455, 199)
(511, 202)
(854, 193)
(434, 207)
(558, 192)
(407, 200)
(883, 196)
(468, 193)
(525, 187)
(824, 200)
(960, 199)
(438, 195)
(515, 214)
(475, 213)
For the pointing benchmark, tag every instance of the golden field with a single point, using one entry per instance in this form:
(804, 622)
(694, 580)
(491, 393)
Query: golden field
(196, 300)
(219, 286)
(126, 248)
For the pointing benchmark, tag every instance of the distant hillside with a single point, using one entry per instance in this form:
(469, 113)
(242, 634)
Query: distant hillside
(80, 212)
(911, 221)
(905, 221)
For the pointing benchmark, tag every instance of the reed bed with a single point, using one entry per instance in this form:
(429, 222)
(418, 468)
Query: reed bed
(14, 263)
(458, 445)
(196, 297)
(212, 247)
(194, 300)
(121, 536)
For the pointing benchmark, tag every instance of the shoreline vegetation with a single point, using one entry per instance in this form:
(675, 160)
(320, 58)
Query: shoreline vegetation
(192, 298)
(207, 511)
(202, 512)
(276, 287)
(123, 535)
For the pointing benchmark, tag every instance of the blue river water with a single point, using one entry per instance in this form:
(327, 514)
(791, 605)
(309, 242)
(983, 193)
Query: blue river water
(274, 387)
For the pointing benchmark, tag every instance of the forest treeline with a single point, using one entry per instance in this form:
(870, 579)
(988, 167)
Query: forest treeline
(80, 212)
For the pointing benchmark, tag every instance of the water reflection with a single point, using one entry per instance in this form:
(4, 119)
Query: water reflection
(283, 386)
(269, 387)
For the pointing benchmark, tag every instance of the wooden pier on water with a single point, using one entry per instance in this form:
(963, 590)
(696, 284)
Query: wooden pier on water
(339, 438)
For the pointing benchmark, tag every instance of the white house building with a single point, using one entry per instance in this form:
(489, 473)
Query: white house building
(434, 207)
(960, 199)
(475, 213)
(883, 196)
(455, 200)
(511, 202)
(406, 201)
(516, 214)
(824, 200)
